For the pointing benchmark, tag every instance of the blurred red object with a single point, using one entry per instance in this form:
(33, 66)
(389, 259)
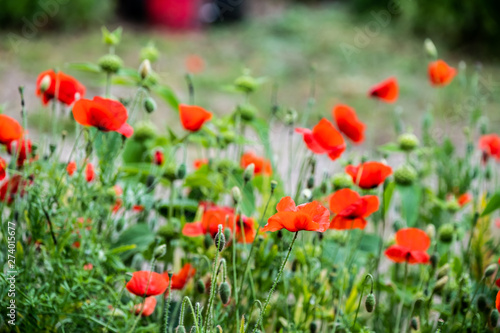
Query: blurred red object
(175, 14)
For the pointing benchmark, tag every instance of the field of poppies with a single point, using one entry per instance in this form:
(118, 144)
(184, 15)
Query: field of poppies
(221, 223)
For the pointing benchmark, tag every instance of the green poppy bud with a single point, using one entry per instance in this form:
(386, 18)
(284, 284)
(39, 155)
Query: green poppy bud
(144, 131)
(180, 329)
(224, 292)
(490, 270)
(370, 302)
(246, 83)
(45, 83)
(220, 239)
(145, 68)
(208, 241)
(150, 53)
(440, 284)
(274, 184)
(452, 206)
(248, 173)
(482, 303)
(408, 141)
(149, 105)
(313, 327)
(236, 194)
(200, 286)
(160, 251)
(443, 270)
(181, 171)
(446, 232)
(310, 182)
(494, 318)
(110, 63)
(247, 111)
(341, 180)
(430, 48)
(414, 324)
(434, 260)
(405, 175)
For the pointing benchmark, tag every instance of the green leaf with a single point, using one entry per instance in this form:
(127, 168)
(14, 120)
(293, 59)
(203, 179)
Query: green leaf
(390, 147)
(493, 204)
(139, 235)
(168, 95)
(85, 67)
(388, 192)
(410, 202)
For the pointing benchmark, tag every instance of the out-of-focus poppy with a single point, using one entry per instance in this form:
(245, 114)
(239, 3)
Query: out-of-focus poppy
(440, 73)
(497, 302)
(323, 139)
(119, 202)
(68, 88)
(490, 146)
(3, 167)
(71, 168)
(497, 283)
(138, 208)
(194, 64)
(387, 90)
(88, 267)
(351, 209)
(89, 172)
(348, 123)
(193, 117)
(464, 199)
(411, 246)
(262, 165)
(159, 157)
(11, 187)
(147, 308)
(199, 162)
(10, 129)
(310, 216)
(368, 175)
(180, 279)
(21, 148)
(139, 283)
(104, 114)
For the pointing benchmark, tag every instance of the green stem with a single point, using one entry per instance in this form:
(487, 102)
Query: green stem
(472, 302)
(401, 304)
(369, 276)
(213, 282)
(166, 308)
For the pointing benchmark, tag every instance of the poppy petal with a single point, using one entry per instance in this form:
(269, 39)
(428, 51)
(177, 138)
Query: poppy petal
(341, 223)
(414, 239)
(386, 90)
(397, 253)
(418, 257)
(126, 130)
(348, 123)
(146, 283)
(286, 204)
(342, 199)
(193, 117)
(193, 229)
(440, 73)
(318, 214)
(372, 204)
(10, 129)
(310, 142)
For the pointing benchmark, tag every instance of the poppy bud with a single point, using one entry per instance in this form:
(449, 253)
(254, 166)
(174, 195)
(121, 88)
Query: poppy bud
(145, 68)
(150, 52)
(431, 231)
(247, 111)
(310, 182)
(89, 172)
(490, 270)
(180, 329)
(200, 286)
(452, 206)
(482, 303)
(313, 327)
(440, 284)
(220, 239)
(446, 232)
(430, 48)
(45, 83)
(181, 171)
(494, 318)
(434, 260)
(236, 194)
(274, 184)
(249, 172)
(144, 131)
(52, 148)
(150, 182)
(193, 329)
(290, 117)
(443, 270)
(414, 324)
(110, 63)
(160, 251)
(149, 105)
(307, 194)
(246, 83)
(227, 231)
(408, 141)
(159, 158)
(111, 37)
(208, 241)
(341, 180)
(224, 293)
(370, 302)
(405, 175)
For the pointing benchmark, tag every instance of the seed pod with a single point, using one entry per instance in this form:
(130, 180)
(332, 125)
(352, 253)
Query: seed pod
(494, 318)
(200, 286)
(414, 324)
(408, 141)
(110, 63)
(149, 105)
(224, 293)
(274, 184)
(434, 260)
(220, 240)
(370, 302)
(180, 329)
(341, 180)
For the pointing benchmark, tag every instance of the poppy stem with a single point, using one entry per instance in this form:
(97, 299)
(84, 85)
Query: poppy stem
(278, 277)
(108, 85)
(368, 276)
(189, 81)
(235, 276)
(213, 282)
(166, 306)
(402, 302)
(471, 302)
(143, 303)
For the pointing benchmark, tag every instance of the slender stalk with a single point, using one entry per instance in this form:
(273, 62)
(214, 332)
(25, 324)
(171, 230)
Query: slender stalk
(143, 303)
(213, 282)
(401, 304)
(235, 277)
(472, 302)
(166, 307)
(361, 298)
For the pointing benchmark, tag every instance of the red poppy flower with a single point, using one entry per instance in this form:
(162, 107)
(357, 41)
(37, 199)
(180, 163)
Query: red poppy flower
(71, 168)
(89, 172)
(193, 117)
(386, 91)
(497, 282)
(351, 209)
(180, 279)
(310, 216)
(323, 139)
(147, 308)
(104, 114)
(411, 246)
(139, 282)
(159, 157)
(194, 64)
(464, 199)
(11, 187)
(24, 151)
(369, 174)
(440, 73)
(497, 302)
(138, 208)
(490, 146)
(68, 88)
(348, 123)
(3, 167)
(10, 129)
(199, 162)
(262, 165)
(88, 267)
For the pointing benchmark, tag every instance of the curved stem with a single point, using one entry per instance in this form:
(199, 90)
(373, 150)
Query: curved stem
(368, 276)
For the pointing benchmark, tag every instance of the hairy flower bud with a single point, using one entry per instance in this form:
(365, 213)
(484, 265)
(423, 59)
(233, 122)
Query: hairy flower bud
(274, 184)
(145, 68)
(341, 180)
(434, 260)
(160, 251)
(247, 111)
(430, 48)
(220, 239)
(225, 293)
(494, 315)
(414, 324)
(181, 171)
(200, 286)
(180, 329)
(490, 270)
(443, 270)
(310, 182)
(441, 283)
(431, 231)
(149, 105)
(110, 63)
(405, 175)
(408, 141)
(236, 194)
(248, 173)
(370, 302)
(446, 232)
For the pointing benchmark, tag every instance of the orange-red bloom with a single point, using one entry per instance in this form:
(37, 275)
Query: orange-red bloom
(159, 157)
(351, 209)
(411, 246)
(147, 308)
(262, 165)
(464, 199)
(68, 88)
(11, 187)
(193, 117)
(139, 282)
(23, 152)
(490, 146)
(104, 114)
(323, 139)
(369, 174)
(180, 279)
(348, 123)
(10, 129)
(386, 91)
(310, 216)
(497, 302)
(440, 73)
(195, 64)
(89, 172)
(88, 267)
(71, 168)
(199, 162)
(3, 167)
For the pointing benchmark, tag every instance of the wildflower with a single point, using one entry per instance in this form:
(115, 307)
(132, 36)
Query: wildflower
(262, 165)
(68, 88)
(11, 187)
(440, 73)
(194, 64)
(10, 129)
(464, 199)
(138, 208)
(311, 216)
(88, 267)
(408, 141)
(139, 283)
(369, 175)
(71, 168)
(89, 172)
(193, 117)
(159, 158)
(323, 139)
(3, 167)
(490, 146)
(387, 90)
(198, 163)
(104, 114)
(351, 209)
(348, 123)
(180, 279)
(405, 175)
(25, 149)
(411, 246)
(497, 302)
(147, 308)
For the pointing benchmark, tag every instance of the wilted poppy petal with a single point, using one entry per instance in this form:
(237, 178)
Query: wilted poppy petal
(10, 129)
(386, 91)
(193, 229)
(348, 123)
(414, 239)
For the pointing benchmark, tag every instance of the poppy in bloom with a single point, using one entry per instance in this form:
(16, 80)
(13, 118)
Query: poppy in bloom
(348, 123)
(490, 146)
(10, 129)
(323, 139)
(71, 168)
(411, 246)
(193, 117)
(24, 151)
(104, 114)
(138, 208)
(368, 175)
(3, 167)
(159, 157)
(147, 308)
(497, 282)
(68, 88)
(88, 267)
(89, 172)
(497, 302)
(11, 187)
(180, 279)
(464, 199)
(310, 216)
(139, 282)
(386, 91)
(262, 165)
(440, 73)
(200, 162)
(351, 209)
